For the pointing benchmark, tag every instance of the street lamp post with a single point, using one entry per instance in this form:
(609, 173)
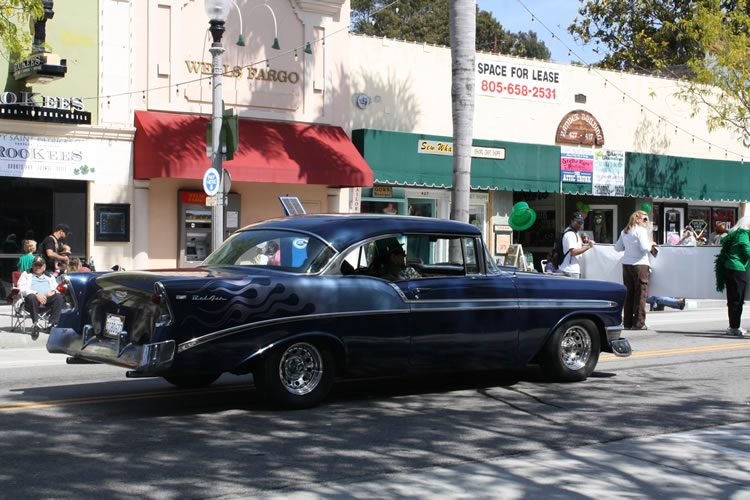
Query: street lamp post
(217, 11)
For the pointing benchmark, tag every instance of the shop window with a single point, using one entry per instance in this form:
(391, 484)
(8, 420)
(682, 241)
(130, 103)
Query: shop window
(388, 207)
(601, 223)
(422, 207)
(674, 221)
(727, 215)
(699, 219)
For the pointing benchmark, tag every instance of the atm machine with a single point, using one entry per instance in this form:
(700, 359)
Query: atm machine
(195, 225)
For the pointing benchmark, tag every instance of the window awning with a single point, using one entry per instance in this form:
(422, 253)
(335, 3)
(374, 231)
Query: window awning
(660, 176)
(395, 159)
(174, 145)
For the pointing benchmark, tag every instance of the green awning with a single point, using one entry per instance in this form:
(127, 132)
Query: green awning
(394, 159)
(659, 176)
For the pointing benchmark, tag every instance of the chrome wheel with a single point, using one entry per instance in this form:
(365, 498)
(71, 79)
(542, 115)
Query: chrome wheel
(575, 347)
(301, 369)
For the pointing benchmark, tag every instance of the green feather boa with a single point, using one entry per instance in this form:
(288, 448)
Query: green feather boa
(726, 244)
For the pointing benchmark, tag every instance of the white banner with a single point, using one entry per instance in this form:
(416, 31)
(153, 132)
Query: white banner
(675, 272)
(47, 157)
(517, 81)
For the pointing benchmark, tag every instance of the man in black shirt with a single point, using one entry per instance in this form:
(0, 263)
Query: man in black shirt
(51, 247)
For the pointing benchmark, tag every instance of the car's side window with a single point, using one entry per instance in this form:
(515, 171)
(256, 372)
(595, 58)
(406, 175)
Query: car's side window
(472, 257)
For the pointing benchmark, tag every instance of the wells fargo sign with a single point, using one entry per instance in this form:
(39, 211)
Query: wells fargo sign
(580, 127)
(251, 73)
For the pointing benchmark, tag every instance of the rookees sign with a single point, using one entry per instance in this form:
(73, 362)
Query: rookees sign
(34, 99)
(46, 157)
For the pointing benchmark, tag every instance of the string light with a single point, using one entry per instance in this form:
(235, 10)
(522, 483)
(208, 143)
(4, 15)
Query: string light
(296, 57)
(308, 50)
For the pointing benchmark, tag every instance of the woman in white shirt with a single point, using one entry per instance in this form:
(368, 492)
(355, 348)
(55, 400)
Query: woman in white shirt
(635, 242)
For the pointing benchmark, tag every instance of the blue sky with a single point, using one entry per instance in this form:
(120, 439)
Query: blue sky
(554, 14)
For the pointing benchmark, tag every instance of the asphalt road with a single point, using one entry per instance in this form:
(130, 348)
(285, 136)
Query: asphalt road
(670, 421)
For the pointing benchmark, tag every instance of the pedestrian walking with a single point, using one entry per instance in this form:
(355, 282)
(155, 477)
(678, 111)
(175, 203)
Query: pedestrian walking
(731, 272)
(573, 247)
(51, 248)
(635, 242)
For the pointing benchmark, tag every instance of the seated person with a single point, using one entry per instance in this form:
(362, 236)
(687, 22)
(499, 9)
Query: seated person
(658, 303)
(272, 252)
(40, 289)
(392, 262)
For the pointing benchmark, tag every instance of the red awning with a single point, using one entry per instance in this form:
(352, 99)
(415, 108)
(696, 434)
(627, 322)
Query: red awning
(173, 145)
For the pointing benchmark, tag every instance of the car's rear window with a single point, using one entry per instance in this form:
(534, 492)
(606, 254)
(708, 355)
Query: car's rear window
(283, 250)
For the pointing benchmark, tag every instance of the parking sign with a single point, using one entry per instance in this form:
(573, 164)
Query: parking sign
(211, 182)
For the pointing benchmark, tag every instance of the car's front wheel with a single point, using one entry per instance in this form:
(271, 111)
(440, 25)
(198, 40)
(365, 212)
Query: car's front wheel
(298, 375)
(571, 353)
(193, 380)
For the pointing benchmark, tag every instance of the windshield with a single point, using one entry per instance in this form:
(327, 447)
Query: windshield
(283, 250)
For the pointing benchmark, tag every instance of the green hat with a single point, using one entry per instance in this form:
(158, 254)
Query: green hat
(522, 217)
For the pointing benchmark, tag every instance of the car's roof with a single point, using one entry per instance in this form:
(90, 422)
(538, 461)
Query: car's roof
(343, 230)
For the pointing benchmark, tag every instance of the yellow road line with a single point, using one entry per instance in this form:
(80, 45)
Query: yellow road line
(26, 405)
(678, 350)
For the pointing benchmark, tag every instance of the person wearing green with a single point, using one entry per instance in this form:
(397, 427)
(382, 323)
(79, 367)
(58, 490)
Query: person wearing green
(25, 260)
(731, 272)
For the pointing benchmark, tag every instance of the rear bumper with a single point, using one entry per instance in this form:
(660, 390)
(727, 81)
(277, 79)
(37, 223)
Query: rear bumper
(147, 359)
(620, 347)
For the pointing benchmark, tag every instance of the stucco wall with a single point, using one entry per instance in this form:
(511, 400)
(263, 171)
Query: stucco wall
(414, 96)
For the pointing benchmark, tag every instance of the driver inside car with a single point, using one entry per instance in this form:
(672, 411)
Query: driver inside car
(392, 258)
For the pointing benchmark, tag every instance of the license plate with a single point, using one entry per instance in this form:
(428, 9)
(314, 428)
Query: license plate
(113, 326)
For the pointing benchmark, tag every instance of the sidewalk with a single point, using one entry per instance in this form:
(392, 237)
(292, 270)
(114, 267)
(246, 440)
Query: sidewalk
(16, 340)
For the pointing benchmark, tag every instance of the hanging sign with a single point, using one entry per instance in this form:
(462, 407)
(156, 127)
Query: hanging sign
(609, 173)
(576, 165)
(517, 81)
(47, 157)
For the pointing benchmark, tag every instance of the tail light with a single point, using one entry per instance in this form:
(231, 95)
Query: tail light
(160, 299)
(66, 290)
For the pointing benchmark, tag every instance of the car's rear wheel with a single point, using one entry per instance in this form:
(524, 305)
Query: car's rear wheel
(297, 375)
(193, 380)
(571, 353)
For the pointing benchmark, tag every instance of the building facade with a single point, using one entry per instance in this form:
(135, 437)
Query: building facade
(60, 163)
(559, 137)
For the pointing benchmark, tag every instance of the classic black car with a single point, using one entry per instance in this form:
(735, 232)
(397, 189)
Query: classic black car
(299, 300)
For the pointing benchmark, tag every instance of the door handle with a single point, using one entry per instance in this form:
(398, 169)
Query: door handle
(417, 291)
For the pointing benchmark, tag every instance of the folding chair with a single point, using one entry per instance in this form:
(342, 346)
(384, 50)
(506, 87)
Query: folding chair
(21, 318)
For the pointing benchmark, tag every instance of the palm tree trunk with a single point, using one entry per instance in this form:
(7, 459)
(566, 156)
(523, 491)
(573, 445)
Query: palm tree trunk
(463, 34)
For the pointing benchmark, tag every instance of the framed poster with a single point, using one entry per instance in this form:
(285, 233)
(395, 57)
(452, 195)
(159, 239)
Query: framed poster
(112, 222)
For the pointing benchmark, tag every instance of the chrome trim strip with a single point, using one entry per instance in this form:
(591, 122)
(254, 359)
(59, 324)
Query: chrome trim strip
(189, 344)
(526, 303)
(441, 305)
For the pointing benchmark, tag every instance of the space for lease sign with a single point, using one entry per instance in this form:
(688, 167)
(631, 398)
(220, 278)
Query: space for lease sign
(517, 81)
